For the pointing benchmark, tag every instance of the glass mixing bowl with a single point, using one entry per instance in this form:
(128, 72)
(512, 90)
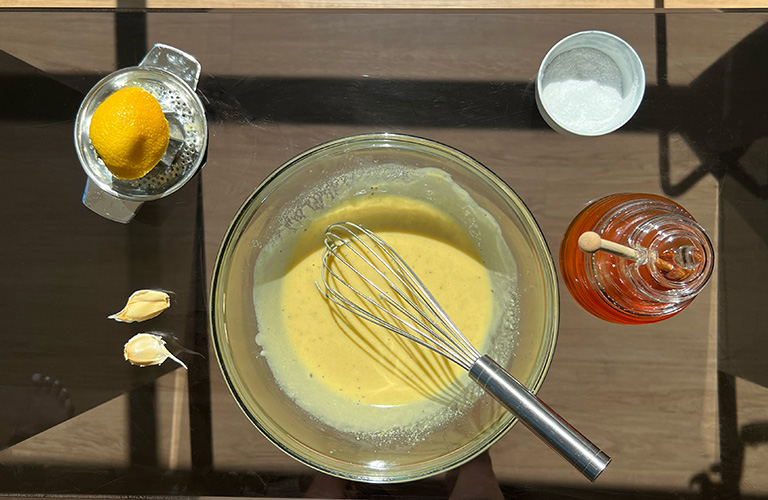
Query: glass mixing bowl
(299, 189)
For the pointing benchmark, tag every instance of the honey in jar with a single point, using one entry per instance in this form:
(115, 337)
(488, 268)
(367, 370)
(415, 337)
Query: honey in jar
(675, 259)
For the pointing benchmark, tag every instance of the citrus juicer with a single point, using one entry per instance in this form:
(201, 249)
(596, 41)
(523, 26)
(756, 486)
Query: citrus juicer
(171, 76)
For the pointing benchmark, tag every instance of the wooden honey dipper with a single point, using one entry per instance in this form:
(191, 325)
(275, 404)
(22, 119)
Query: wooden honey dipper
(591, 242)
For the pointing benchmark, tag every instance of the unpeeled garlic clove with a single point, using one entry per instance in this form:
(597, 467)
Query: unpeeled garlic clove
(143, 305)
(146, 349)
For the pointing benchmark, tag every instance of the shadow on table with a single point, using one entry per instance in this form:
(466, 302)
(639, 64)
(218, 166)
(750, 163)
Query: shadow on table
(725, 123)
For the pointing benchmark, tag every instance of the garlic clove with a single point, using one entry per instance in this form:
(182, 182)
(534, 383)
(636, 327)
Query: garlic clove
(146, 349)
(143, 305)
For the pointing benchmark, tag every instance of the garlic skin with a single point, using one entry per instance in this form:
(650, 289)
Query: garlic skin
(146, 349)
(143, 305)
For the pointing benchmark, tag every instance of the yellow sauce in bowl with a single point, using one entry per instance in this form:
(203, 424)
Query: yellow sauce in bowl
(348, 399)
(349, 373)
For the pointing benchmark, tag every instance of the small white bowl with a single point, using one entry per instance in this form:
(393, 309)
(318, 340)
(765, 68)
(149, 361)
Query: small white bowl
(590, 83)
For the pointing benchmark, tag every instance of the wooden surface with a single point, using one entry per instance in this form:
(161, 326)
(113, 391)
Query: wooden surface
(384, 4)
(647, 394)
(337, 4)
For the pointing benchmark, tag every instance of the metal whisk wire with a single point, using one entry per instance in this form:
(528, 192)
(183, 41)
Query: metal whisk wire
(398, 295)
(421, 318)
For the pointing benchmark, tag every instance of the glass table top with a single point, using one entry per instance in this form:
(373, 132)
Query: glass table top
(680, 405)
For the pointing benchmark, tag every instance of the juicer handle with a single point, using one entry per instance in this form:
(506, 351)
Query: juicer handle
(174, 61)
(108, 206)
(539, 418)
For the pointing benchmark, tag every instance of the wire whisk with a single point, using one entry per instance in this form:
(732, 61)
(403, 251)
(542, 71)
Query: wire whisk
(364, 275)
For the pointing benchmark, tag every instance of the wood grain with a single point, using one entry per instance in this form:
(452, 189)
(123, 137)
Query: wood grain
(339, 4)
(63, 42)
(386, 4)
(709, 4)
(97, 437)
(684, 42)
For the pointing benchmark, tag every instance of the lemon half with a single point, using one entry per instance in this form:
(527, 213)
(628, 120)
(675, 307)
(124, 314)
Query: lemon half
(129, 132)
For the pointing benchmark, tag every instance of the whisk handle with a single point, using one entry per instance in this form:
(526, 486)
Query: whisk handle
(539, 418)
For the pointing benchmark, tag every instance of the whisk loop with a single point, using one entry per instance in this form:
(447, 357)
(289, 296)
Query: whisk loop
(415, 313)
(387, 293)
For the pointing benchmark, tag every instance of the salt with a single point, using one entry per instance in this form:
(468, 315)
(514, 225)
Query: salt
(583, 89)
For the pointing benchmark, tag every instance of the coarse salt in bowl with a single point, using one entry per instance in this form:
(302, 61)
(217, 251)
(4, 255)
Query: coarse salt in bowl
(590, 83)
